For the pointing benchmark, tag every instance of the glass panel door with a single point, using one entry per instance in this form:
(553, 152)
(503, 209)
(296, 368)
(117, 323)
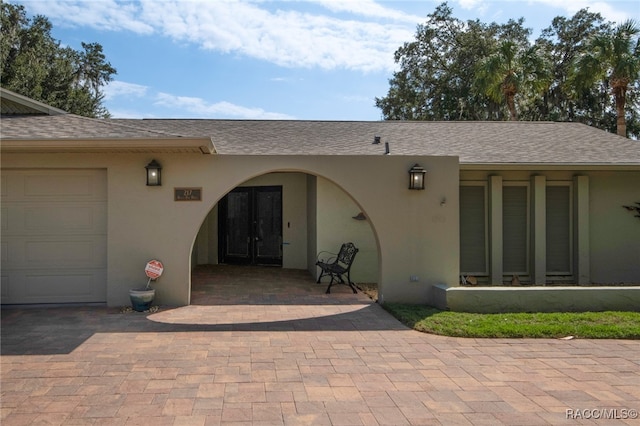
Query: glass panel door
(251, 226)
(268, 232)
(236, 225)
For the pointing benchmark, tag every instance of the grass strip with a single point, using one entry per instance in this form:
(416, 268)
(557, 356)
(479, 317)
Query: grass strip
(587, 325)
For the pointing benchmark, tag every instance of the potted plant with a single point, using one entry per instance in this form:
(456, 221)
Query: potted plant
(141, 299)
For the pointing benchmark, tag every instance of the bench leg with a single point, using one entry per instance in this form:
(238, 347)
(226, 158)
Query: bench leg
(323, 273)
(341, 281)
(330, 284)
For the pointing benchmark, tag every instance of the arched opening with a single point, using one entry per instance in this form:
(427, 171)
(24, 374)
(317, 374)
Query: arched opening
(273, 226)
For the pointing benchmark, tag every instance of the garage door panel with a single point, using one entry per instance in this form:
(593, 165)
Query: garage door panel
(64, 254)
(54, 236)
(37, 252)
(4, 186)
(4, 219)
(58, 186)
(4, 287)
(55, 219)
(72, 286)
(54, 185)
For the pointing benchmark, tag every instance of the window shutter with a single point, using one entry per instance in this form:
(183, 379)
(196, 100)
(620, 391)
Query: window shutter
(515, 230)
(472, 230)
(558, 230)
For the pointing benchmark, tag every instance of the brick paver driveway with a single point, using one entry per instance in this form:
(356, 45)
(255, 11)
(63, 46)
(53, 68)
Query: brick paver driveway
(269, 347)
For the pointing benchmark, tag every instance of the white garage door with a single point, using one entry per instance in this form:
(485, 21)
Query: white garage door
(54, 236)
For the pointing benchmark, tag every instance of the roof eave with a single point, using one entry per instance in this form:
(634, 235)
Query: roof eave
(31, 103)
(549, 166)
(153, 145)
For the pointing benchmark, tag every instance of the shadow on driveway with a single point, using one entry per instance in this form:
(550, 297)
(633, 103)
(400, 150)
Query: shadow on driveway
(48, 331)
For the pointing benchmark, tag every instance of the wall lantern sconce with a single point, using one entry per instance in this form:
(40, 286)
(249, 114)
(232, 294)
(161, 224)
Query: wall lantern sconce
(416, 177)
(154, 173)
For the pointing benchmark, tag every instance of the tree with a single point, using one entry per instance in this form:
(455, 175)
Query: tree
(432, 82)
(437, 69)
(35, 65)
(473, 71)
(612, 61)
(510, 71)
(561, 44)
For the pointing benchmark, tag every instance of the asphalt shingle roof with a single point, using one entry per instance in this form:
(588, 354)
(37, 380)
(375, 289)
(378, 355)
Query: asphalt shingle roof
(518, 142)
(70, 126)
(473, 142)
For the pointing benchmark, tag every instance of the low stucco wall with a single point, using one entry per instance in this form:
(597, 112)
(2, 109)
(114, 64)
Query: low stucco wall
(536, 299)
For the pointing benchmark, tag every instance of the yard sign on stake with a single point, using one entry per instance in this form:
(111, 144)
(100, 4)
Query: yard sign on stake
(153, 270)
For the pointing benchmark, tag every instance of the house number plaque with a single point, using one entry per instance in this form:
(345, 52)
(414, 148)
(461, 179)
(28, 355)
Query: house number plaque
(187, 194)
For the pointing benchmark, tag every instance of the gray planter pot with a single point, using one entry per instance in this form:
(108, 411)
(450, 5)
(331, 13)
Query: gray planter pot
(141, 299)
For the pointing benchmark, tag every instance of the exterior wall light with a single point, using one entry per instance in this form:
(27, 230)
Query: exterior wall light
(154, 173)
(416, 177)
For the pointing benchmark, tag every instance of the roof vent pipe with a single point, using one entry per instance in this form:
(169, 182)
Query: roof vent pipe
(386, 148)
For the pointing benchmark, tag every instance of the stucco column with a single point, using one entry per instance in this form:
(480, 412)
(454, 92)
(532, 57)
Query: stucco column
(539, 230)
(581, 229)
(495, 229)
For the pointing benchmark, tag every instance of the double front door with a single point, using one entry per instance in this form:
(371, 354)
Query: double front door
(251, 226)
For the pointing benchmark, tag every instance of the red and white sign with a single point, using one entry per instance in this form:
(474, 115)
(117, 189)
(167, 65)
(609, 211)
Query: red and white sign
(154, 269)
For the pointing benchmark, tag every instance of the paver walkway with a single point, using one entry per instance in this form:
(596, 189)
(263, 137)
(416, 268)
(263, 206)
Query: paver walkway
(268, 347)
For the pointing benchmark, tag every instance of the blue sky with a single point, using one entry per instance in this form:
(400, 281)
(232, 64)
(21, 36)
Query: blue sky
(261, 59)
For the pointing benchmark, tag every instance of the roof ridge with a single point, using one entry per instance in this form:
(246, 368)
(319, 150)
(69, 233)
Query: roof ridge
(112, 122)
(257, 120)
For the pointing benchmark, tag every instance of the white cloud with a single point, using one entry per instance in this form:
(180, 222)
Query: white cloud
(271, 31)
(200, 108)
(609, 9)
(103, 14)
(118, 88)
(606, 8)
(285, 37)
(370, 8)
(472, 4)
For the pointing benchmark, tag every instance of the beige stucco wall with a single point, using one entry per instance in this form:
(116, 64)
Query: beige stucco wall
(336, 225)
(312, 223)
(415, 234)
(614, 231)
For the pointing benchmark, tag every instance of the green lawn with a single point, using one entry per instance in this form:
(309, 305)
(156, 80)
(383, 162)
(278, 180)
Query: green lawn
(592, 325)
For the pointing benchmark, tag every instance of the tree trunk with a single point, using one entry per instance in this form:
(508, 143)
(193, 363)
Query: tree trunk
(619, 93)
(511, 104)
(621, 123)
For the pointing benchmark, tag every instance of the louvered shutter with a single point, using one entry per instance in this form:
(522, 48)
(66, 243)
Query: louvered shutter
(472, 230)
(558, 230)
(515, 230)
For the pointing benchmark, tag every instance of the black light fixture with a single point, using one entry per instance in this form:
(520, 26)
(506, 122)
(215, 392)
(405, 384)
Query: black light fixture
(154, 173)
(416, 177)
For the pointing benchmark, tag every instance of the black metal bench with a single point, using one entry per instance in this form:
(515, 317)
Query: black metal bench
(338, 266)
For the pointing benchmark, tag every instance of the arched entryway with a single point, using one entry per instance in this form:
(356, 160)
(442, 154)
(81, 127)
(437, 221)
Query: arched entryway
(280, 219)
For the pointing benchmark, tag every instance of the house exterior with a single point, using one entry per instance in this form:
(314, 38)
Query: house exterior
(539, 200)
